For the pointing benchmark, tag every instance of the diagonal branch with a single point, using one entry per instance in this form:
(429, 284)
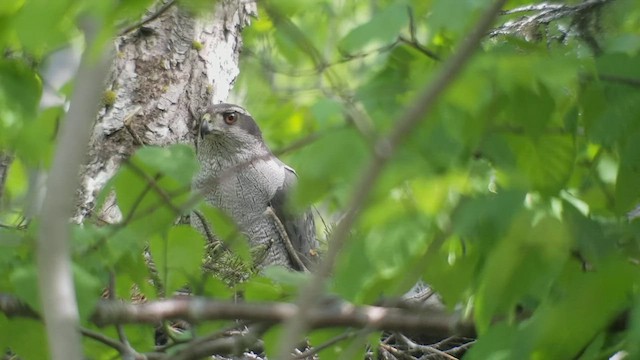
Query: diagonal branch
(55, 285)
(298, 325)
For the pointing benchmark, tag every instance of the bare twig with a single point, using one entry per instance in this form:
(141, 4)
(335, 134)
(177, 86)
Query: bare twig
(429, 349)
(298, 144)
(413, 40)
(12, 306)
(329, 343)
(125, 350)
(285, 238)
(153, 182)
(580, 14)
(57, 292)
(224, 345)
(149, 18)
(127, 125)
(297, 326)
(423, 49)
(629, 81)
(99, 337)
(355, 114)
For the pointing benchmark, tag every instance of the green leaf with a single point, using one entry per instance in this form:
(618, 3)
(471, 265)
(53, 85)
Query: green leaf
(328, 112)
(543, 163)
(322, 165)
(272, 338)
(25, 337)
(383, 28)
(524, 263)
(286, 277)
(17, 180)
(487, 217)
(20, 88)
(20, 91)
(261, 289)
(610, 113)
(225, 230)
(291, 7)
(589, 236)
(454, 18)
(452, 270)
(494, 345)
(403, 72)
(323, 336)
(177, 256)
(392, 246)
(42, 25)
(216, 288)
(633, 335)
(24, 280)
(627, 190)
(350, 279)
(176, 161)
(532, 109)
(585, 315)
(34, 142)
(88, 291)
(10, 7)
(153, 188)
(617, 64)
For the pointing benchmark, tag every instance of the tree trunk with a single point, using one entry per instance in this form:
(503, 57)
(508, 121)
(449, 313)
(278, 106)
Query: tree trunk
(165, 69)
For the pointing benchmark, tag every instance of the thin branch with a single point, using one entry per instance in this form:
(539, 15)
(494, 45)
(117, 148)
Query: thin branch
(298, 144)
(12, 306)
(309, 296)
(423, 49)
(629, 81)
(136, 204)
(329, 343)
(224, 345)
(355, 114)
(148, 19)
(319, 67)
(535, 7)
(13, 227)
(426, 348)
(56, 287)
(126, 347)
(293, 254)
(153, 182)
(101, 338)
(213, 336)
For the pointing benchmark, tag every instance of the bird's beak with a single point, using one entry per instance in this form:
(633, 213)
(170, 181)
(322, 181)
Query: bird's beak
(206, 127)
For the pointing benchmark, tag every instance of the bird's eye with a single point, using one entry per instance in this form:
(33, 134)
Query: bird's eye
(230, 118)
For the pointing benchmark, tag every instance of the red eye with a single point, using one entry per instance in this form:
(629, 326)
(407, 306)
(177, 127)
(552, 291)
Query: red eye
(230, 118)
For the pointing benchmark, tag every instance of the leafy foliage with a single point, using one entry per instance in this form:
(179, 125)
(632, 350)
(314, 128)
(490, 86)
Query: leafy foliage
(511, 199)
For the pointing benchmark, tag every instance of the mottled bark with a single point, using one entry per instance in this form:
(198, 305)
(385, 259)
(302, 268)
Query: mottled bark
(164, 71)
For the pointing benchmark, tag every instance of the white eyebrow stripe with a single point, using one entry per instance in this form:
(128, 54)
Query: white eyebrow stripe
(222, 108)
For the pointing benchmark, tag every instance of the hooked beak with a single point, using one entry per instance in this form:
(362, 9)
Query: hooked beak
(206, 127)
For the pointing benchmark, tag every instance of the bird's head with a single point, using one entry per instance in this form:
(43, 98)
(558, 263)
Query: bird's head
(230, 126)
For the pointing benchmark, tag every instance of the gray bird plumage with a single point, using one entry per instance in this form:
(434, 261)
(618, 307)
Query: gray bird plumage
(240, 176)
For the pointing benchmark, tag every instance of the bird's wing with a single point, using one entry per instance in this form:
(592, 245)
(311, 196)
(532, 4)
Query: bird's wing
(300, 228)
